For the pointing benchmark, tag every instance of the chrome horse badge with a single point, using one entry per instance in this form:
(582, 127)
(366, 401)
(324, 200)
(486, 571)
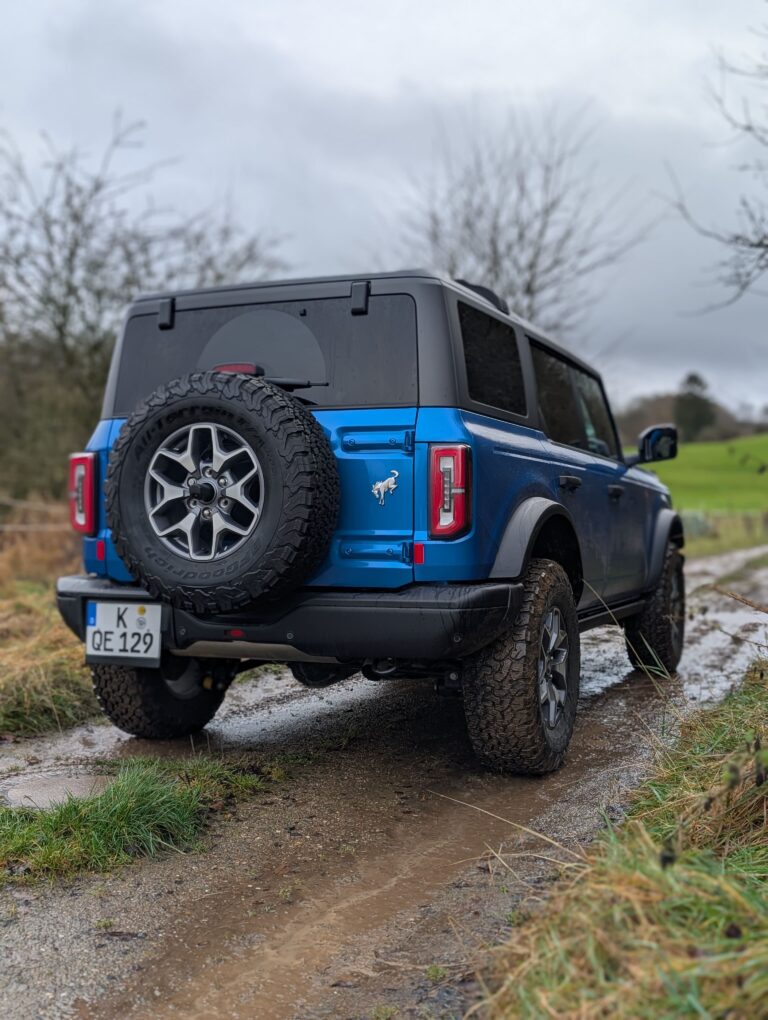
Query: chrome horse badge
(380, 489)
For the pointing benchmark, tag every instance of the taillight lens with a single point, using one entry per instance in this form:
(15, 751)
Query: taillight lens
(82, 492)
(450, 496)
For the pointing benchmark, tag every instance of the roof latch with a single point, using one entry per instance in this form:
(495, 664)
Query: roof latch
(361, 291)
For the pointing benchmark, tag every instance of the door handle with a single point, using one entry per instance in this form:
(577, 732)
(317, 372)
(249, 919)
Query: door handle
(569, 482)
(615, 491)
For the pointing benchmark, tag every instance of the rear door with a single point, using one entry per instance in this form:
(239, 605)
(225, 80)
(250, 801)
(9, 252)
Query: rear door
(373, 543)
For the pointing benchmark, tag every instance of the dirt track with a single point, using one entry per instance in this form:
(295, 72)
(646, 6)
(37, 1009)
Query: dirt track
(332, 895)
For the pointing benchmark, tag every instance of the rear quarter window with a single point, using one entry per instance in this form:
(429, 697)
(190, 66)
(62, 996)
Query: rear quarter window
(492, 359)
(352, 360)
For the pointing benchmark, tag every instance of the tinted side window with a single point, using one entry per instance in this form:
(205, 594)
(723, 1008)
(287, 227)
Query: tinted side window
(558, 406)
(601, 437)
(494, 373)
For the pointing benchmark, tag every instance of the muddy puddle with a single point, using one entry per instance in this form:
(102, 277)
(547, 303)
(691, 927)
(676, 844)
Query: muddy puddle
(333, 895)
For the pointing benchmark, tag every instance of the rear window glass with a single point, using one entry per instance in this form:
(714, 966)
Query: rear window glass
(351, 360)
(494, 372)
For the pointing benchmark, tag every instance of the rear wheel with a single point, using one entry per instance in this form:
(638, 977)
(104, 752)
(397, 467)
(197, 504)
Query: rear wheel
(320, 674)
(655, 637)
(521, 691)
(173, 701)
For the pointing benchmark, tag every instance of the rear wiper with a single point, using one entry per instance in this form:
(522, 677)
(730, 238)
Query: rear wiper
(249, 368)
(293, 384)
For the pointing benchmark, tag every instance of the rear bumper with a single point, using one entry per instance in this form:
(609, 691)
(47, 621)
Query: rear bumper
(418, 623)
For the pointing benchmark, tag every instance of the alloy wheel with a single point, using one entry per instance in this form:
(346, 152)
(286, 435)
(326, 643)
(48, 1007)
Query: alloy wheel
(553, 667)
(204, 491)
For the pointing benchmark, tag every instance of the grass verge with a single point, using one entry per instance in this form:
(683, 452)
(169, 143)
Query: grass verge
(44, 684)
(149, 807)
(731, 475)
(725, 533)
(667, 915)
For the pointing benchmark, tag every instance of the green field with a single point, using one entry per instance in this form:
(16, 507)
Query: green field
(719, 476)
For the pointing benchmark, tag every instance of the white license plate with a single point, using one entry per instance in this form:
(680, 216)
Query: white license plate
(123, 632)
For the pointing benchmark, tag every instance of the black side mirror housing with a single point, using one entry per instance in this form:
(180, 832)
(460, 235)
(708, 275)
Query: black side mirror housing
(659, 442)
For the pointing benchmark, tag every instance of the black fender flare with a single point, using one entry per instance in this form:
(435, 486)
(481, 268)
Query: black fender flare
(521, 532)
(668, 528)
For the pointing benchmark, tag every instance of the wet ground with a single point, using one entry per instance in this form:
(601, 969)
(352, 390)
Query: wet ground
(366, 882)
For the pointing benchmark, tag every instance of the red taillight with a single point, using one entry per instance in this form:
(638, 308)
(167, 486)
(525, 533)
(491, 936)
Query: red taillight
(82, 492)
(450, 495)
(239, 368)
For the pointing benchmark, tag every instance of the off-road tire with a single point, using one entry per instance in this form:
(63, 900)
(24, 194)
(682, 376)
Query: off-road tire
(652, 641)
(501, 689)
(301, 503)
(140, 702)
(319, 674)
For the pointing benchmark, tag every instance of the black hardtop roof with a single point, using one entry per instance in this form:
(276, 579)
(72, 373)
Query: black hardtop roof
(299, 281)
(419, 273)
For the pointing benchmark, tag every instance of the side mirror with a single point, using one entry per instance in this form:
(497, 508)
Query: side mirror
(659, 442)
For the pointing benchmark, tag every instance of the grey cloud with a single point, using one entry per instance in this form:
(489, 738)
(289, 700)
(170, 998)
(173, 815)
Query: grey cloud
(327, 163)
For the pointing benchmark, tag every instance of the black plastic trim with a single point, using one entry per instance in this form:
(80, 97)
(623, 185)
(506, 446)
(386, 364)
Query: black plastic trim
(422, 622)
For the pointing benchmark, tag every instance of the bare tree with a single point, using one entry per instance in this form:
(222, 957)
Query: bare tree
(745, 260)
(78, 240)
(517, 210)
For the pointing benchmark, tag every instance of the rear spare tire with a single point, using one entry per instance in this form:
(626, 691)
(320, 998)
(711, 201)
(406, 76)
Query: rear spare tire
(220, 489)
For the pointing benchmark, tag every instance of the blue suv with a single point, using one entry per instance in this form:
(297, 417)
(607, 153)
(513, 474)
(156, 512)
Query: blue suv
(386, 474)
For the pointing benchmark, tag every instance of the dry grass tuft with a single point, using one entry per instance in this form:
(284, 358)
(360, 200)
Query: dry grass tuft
(36, 555)
(43, 682)
(668, 916)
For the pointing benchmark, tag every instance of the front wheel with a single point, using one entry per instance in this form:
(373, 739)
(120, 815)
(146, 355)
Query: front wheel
(521, 691)
(655, 636)
(173, 701)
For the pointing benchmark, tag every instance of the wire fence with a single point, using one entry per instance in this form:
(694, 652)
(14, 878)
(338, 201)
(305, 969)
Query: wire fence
(19, 516)
(21, 528)
(26, 504)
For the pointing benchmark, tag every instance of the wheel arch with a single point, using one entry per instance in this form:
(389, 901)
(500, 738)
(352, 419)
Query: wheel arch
(668, 529)
(539, 527)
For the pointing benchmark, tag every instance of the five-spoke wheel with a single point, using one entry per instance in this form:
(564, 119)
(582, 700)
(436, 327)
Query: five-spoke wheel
(204, 491)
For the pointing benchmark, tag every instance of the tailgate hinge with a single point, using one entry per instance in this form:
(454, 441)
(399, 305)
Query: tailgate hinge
(166, 312)
(361, 291)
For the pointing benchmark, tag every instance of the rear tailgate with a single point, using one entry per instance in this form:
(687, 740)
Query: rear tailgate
(373, 543)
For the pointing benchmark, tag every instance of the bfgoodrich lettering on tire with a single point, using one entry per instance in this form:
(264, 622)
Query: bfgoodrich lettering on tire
(521, 691)
(220, 489)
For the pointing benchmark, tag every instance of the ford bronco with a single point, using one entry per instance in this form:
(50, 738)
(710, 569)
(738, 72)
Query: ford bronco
(386, 474)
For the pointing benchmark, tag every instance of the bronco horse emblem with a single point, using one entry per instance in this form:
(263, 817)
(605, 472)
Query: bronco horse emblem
(380, 489)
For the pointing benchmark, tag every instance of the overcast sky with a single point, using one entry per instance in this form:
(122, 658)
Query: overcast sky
(314, 117)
